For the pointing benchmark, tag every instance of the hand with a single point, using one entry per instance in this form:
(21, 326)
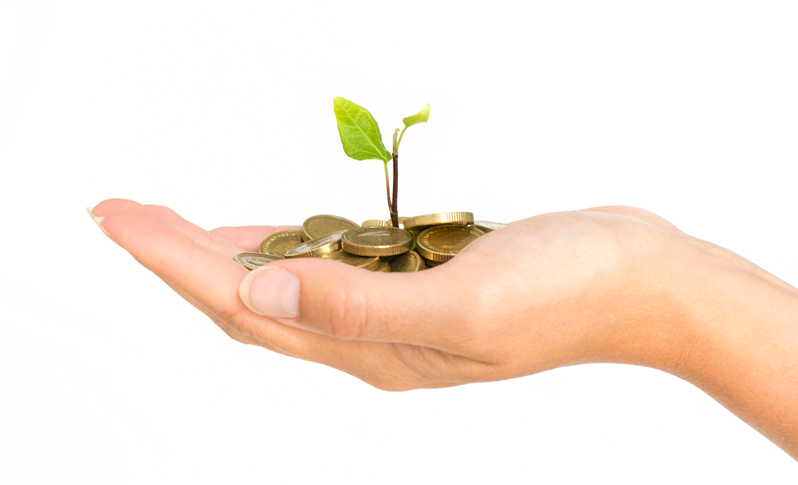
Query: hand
(611, 284)
(541, 293)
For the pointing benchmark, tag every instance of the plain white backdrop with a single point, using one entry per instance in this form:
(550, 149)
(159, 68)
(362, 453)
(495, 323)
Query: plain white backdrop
(223, 111)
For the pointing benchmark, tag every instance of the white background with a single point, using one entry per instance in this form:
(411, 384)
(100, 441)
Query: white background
(223, 111)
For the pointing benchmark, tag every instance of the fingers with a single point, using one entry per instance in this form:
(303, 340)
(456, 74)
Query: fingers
(210, 281)
(225, 240)
(196, 233)
(250, 237)
(336, 305)
(207, 279)
(178, 259)
(641, 214)
(336, 300)
(349, 303)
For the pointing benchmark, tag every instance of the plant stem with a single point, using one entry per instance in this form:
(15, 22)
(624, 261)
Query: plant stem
(394, 211)
(394, 208)
(395, 158)
(396, 143)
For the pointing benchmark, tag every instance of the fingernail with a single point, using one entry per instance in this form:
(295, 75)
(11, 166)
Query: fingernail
(271, 292)
(98, 220)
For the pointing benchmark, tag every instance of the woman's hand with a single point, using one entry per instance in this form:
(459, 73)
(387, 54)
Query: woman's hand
(544, 292)
(611, 284)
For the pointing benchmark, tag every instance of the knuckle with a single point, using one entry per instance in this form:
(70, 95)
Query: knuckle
(227, 315)
(411, 367)
(390, 384)
(346, 312)
(231, 320)
(238, 337)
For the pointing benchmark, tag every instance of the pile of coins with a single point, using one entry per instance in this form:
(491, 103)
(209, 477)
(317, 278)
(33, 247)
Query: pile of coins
(419, 242)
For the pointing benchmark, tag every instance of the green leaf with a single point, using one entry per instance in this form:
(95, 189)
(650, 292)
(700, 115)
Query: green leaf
(420, 117)
(359, 132)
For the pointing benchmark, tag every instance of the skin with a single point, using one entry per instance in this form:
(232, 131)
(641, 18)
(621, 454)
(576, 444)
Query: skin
(607, 284)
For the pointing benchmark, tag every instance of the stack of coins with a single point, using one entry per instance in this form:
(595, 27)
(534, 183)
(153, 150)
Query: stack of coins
(418, 243)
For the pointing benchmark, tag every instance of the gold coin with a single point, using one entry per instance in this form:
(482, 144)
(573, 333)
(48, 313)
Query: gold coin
(377, 241)
(280, 242)
(385, 267)
(322, 225)
(408, 262)
(431, 264)
(441, 243)
(315, 248)
(487, 226)
(440, 218)
(254, 260)
(371, 263)
(375, 223)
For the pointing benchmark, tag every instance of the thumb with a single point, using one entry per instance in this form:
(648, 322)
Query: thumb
(345, 302)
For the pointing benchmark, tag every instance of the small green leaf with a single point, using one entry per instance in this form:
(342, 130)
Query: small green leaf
(360, 134)
(420, 117)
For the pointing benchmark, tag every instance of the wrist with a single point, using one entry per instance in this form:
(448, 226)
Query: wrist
(734, 334)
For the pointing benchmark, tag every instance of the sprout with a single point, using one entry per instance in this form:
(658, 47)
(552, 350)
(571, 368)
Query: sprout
(361, 138)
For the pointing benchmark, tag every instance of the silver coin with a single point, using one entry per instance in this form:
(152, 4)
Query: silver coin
(254, 260)
(488, 226)
(314, 248)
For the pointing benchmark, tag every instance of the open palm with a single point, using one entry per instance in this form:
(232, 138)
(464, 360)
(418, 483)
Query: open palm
(543, 292)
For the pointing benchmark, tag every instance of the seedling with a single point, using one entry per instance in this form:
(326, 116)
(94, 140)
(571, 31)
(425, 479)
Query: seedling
(361, 138)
